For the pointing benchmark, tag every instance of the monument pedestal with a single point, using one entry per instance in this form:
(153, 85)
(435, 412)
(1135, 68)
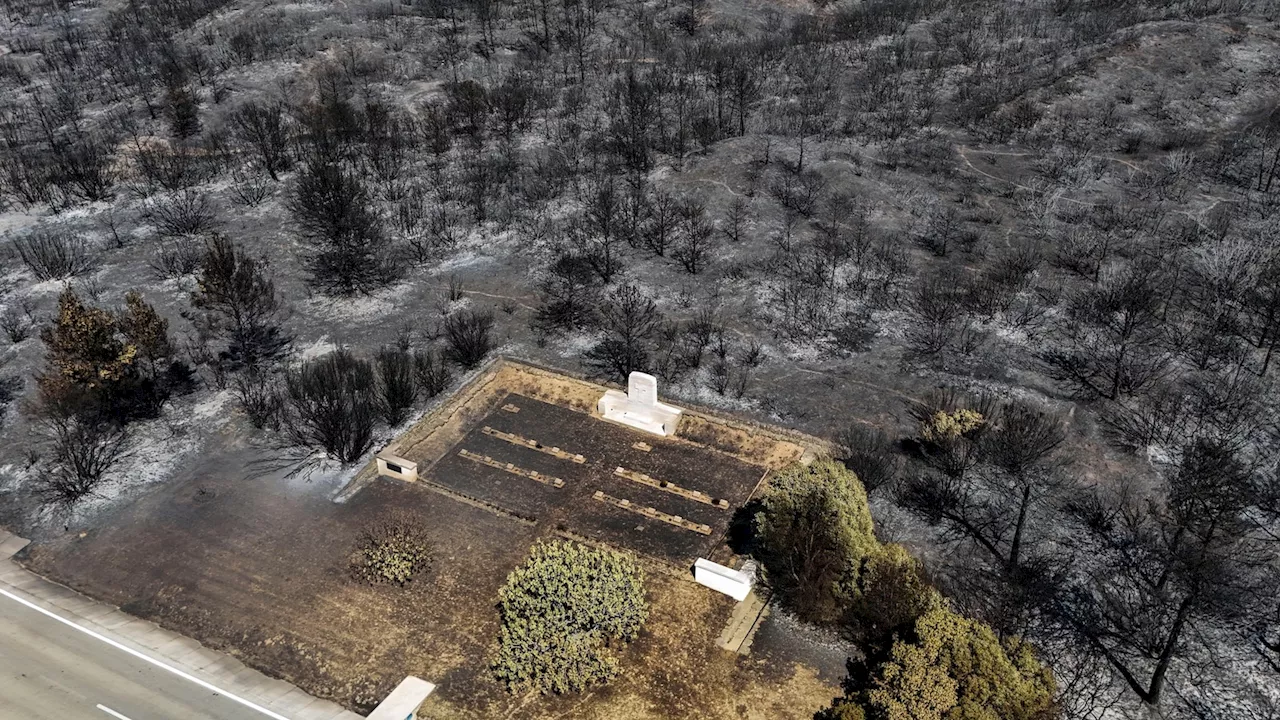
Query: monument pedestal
(639, 408)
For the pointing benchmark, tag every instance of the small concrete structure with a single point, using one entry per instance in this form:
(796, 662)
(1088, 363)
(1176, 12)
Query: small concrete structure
(394, 466)
(403, 702)
(639, 408)
(734, 583)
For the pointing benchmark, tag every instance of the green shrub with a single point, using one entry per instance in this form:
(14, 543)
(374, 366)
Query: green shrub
(563, 613)
(395, 551)
(951, 429)
(893, 593)
(813, 533)
(954, 668)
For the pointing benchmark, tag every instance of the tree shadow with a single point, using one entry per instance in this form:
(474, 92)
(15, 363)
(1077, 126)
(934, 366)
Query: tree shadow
(742, 531)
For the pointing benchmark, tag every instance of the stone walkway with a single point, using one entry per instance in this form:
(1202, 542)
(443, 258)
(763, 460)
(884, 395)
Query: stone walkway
(743, 623)
(181, 652)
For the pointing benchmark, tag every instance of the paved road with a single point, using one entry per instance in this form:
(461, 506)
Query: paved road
(50, 671)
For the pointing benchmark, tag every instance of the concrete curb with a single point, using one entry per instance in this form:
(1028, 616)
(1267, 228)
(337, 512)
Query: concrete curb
(173, 649)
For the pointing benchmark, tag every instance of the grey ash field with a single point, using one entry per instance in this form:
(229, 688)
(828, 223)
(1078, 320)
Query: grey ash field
(812, 215)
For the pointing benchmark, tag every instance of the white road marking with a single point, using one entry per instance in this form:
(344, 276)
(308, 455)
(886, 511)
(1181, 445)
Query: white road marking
(185, 676)
(111, 712)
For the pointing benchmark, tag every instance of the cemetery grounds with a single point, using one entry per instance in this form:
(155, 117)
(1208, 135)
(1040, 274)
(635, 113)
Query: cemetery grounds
(256, 563)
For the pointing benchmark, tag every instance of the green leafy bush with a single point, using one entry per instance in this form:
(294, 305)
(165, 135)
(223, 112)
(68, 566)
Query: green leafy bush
(394, 551)
(563, 614)
(815, 538)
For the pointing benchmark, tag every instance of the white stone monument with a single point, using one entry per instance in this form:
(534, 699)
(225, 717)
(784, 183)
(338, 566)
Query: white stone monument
(734, 583)
(639, 408)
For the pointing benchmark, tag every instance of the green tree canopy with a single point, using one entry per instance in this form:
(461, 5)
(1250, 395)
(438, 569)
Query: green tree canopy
(814, 532)
(893, 593)
(954, 668)
(563, 613)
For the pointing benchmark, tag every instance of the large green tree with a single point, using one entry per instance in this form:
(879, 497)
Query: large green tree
(813, 535)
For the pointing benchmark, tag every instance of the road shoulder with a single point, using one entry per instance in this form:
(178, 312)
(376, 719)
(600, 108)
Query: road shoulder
(169, 648)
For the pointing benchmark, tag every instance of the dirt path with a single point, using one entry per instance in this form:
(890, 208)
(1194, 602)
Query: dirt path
(516, 298)
(961, 150)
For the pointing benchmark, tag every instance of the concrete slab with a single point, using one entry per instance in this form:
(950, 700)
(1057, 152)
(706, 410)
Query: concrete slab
(19, 579)
(742, 625)
(195, 658)
(97, 613)
(145, 634)
(11, 545)
(115, 619)
(247, 676)
(269, 689)
(223, 665)
(175, 647)
(73, 603)
(294, 699)
(320, 710)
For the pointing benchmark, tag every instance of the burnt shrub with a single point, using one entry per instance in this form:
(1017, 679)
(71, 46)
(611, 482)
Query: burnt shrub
(19, 321)
(176, 257)
(332, 405)
(85, 444)
(395, 383)
(336, 218)
(188, 212)
(431, 372)
(870, 454)
(467, 335)
(55, 254)
(260, 396)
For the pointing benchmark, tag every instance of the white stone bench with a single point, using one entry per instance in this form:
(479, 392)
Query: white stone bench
(403, 702)
(734, 583)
